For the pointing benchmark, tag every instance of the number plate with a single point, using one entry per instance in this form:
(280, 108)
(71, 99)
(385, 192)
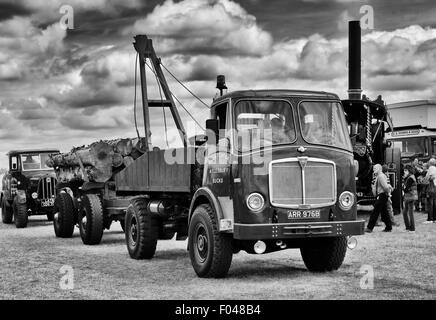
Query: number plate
(47, 202)
(304, 214)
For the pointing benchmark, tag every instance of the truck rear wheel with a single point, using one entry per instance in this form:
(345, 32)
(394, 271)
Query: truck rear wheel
(63, 220)
(7, 213)
(324, 254)
(210, 251)
(91, 219)
(142, 230)
(20, 214)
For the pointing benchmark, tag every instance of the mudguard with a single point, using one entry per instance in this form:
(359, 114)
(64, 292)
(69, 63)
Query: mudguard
(21, 196)
(213, 201)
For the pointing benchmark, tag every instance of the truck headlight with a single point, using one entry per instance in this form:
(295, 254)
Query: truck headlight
(34, 195)
(255, 202)
(346, 200)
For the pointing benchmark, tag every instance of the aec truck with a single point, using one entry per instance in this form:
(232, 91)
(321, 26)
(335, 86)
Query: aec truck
(275, 170)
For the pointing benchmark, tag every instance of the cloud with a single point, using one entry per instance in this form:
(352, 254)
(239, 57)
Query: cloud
(221, 26)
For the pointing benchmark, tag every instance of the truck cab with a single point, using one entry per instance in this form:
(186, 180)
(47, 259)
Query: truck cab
(279, 173)
(28, 188)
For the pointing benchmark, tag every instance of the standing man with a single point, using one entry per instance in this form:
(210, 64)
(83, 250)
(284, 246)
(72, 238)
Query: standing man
(431, 190)
(381, 191)
(410, 196)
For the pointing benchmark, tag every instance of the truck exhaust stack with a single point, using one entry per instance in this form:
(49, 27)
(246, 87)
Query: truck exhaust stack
(354, 60)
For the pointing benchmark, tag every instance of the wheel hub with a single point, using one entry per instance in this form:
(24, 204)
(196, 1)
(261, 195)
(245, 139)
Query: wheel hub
(133, 233)
(84, 220)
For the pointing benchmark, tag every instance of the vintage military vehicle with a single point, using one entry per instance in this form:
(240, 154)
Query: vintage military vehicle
(28, 188)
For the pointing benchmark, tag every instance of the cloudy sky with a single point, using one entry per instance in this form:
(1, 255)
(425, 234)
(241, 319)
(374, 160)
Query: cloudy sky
(63, 88)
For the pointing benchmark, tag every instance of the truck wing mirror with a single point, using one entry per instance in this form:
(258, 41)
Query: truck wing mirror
(212, 131)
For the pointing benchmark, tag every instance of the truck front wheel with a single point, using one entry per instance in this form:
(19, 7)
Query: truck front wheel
(142, 230)
(91, 219)
(20, 214)
(7, 213)
(63, 219)
(210, 250)
(324, 254)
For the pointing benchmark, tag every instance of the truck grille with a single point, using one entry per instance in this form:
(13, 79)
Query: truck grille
(302, 182)
(46, 188)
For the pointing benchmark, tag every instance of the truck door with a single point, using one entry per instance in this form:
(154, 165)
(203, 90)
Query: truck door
(217, 168)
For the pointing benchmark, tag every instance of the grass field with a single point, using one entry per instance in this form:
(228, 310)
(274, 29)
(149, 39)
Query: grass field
(30, 260)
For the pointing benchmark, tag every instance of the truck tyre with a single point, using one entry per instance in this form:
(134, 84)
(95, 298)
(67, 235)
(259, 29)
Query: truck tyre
(91, 219)
(63, 221)
(142, 230)
(210, 251)
(324, 254)
(7, 213)
(20, 214)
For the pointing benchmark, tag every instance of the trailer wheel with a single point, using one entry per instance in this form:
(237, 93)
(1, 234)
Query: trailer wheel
(324, 254)
(210, 251)
(91, 219)
(20, 214)
(142, 230)
(7, 213)
(63, 218)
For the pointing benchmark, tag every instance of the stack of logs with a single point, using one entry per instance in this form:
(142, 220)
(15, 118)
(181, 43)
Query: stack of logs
(97, 162)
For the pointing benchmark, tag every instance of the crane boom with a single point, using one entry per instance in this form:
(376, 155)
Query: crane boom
(144, 47)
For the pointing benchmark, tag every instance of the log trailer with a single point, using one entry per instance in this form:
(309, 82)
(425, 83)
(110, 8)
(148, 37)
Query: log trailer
(275, 172)
(368, 120)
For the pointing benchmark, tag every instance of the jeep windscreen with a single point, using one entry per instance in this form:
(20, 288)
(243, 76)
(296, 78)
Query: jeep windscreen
(261, 123)
(323, 122)
(34, 161)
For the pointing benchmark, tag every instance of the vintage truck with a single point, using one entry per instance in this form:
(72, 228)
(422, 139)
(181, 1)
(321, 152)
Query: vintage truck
(28, 188)
(275, 170)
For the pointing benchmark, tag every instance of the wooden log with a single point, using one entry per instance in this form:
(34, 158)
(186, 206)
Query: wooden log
(128, 161)
(117, 160)
(124, 147)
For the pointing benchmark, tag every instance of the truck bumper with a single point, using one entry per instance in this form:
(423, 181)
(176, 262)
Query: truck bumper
(297, 230)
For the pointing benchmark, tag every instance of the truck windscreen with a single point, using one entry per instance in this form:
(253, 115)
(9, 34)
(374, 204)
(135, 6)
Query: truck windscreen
(34, 161)
(261, 123)
(323, 122)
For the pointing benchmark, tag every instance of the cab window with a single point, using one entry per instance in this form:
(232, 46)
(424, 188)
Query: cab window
(261, 123)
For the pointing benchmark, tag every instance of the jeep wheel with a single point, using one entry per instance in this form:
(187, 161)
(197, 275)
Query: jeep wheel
(324, 254)
(63, 218)
(142, 230)
(50, 216)
(7, 213)
(210, 251)
(20, 214)
(91, 219)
